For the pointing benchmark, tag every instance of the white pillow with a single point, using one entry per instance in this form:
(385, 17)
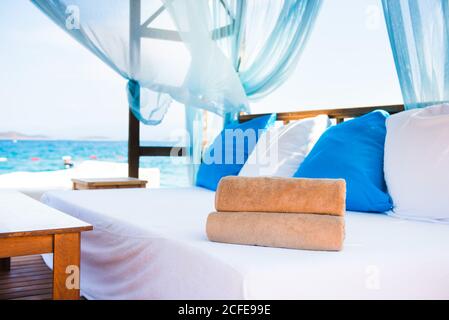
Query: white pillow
(417, 163)
(280, 150)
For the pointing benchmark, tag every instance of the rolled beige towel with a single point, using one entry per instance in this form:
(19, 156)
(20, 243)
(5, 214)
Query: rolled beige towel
(280, 230)
(320, 196)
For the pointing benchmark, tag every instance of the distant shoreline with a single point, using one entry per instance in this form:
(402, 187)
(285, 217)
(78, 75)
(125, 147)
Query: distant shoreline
(143, 142)
(56, 139)
(19, 136)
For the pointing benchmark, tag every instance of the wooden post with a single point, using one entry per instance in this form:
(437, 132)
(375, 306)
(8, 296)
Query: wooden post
(66, 266)
(134, 59)
(135, 35)
(133, 146)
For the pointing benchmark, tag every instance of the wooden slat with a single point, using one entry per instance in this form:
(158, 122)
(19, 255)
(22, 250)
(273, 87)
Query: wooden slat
(22, 246)
(341, 113)
(37, 271)
(162, 151)
(24, 263)
(26, 258)
(24, 271)
(40, 269)
(21, 283)
(18, 281)
(45, 296)
(29, 279)
(23, 294)
(29, 287)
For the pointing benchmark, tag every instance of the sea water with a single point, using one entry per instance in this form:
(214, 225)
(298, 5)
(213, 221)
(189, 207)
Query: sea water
(36, 156)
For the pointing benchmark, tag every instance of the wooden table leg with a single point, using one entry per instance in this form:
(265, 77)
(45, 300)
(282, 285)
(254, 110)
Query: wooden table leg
(5, 264)
(66, 266)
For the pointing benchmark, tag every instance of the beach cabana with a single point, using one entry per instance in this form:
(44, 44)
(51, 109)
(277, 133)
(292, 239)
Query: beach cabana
(214, 57)
(217, 55)
(230, 51)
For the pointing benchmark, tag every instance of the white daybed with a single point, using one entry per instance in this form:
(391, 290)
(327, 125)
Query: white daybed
(151, 244)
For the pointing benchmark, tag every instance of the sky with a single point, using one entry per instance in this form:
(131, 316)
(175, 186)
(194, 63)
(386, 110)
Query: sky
(50, 85)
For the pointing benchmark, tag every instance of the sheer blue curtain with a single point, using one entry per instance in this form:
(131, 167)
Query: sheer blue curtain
(419, 36)
(270, 39)
(207, 55)
(162, 47)
(165, 51)
(267, 40)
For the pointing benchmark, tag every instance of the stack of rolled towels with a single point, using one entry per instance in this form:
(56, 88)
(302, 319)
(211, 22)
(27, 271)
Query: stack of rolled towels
(292, 213)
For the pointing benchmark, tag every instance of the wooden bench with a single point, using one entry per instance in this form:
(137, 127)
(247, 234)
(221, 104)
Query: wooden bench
(28, 227)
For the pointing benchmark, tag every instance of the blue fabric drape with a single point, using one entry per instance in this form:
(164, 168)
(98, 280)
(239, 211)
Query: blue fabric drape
(160, 67)
(270, 38)
(102, 45)
(164, 49)
(419, 37)
(207, 55)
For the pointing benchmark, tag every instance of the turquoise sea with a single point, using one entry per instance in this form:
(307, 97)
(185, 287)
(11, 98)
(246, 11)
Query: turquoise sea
(35, 156)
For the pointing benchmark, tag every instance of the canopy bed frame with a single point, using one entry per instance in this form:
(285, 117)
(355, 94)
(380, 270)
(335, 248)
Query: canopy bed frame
(147, 30)
(135, 150)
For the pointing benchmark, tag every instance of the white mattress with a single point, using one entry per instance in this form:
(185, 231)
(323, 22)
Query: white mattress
(151, 244)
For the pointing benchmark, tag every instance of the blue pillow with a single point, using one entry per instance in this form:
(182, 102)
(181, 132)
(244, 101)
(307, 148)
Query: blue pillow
(354, 151)
(230, 150)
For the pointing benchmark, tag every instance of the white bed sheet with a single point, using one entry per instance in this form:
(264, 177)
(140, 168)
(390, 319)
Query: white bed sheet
(151, 244)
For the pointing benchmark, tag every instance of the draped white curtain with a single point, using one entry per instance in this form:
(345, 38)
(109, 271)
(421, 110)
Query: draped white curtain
(206, 54)
(191, 70)
(264, 49)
